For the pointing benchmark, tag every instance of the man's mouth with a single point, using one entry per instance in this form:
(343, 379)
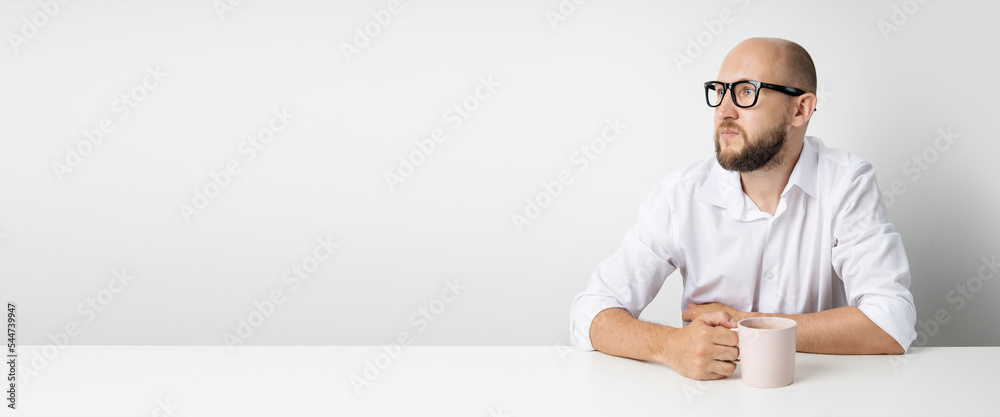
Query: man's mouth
(728, 134)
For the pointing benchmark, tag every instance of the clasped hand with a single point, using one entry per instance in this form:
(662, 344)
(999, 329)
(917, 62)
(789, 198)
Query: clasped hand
(706, 348)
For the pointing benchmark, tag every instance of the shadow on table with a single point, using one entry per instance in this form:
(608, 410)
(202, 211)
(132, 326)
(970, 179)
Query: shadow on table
(809, 370)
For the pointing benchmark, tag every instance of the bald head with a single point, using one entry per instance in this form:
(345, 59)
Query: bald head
(783, 61)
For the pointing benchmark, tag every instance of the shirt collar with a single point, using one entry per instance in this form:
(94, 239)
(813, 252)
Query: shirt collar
(804, 173)
(724, 189)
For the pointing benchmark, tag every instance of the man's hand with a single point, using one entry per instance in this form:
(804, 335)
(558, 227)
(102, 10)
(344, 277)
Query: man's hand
(695, 311)
(705, 349)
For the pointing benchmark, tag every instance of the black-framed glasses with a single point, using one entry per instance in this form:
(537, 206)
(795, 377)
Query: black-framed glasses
(745, 93)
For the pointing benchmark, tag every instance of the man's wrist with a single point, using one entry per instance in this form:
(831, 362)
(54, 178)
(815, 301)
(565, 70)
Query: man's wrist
(662, 352)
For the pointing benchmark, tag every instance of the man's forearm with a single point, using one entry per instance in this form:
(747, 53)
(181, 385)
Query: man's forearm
(615, 332)
(839, 331)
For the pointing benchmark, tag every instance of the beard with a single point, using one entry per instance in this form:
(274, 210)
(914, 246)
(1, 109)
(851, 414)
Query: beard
(759, 152)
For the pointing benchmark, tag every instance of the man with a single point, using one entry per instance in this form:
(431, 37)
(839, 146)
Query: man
(777, 224)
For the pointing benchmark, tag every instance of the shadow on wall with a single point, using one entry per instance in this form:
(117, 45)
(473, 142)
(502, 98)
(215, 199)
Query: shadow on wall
(952, 253)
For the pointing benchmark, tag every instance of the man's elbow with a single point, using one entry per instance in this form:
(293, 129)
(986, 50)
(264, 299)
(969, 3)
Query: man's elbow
(887, 345)
(893, 348)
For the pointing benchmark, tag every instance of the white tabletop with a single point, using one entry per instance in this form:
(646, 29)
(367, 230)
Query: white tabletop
(486, 381)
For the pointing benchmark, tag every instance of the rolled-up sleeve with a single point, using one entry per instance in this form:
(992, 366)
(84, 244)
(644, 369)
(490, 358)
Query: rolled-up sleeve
(633, 275)
(868, 256)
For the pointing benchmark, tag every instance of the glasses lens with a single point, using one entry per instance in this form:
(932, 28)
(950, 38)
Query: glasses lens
(714, 93)
(745, 94)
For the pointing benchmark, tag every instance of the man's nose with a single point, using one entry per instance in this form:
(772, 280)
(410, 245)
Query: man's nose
(727, 109)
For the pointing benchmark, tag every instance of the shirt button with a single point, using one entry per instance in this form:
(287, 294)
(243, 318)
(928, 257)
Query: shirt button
(770, 275)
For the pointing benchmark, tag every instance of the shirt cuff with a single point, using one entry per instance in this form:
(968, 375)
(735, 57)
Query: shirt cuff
(900, 324)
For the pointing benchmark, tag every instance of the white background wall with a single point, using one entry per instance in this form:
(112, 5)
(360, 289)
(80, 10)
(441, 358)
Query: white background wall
(62, 237)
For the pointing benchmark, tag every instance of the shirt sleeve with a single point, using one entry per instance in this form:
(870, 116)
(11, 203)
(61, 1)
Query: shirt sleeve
(633, 275)
(868, 256)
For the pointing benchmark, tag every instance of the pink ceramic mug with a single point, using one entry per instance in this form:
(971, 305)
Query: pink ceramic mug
(767, 351)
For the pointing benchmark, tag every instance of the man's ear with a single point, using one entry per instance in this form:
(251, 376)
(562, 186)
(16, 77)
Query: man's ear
(805, 107)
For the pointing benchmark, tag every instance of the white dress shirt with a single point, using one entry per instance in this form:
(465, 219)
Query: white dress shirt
(829, 244)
